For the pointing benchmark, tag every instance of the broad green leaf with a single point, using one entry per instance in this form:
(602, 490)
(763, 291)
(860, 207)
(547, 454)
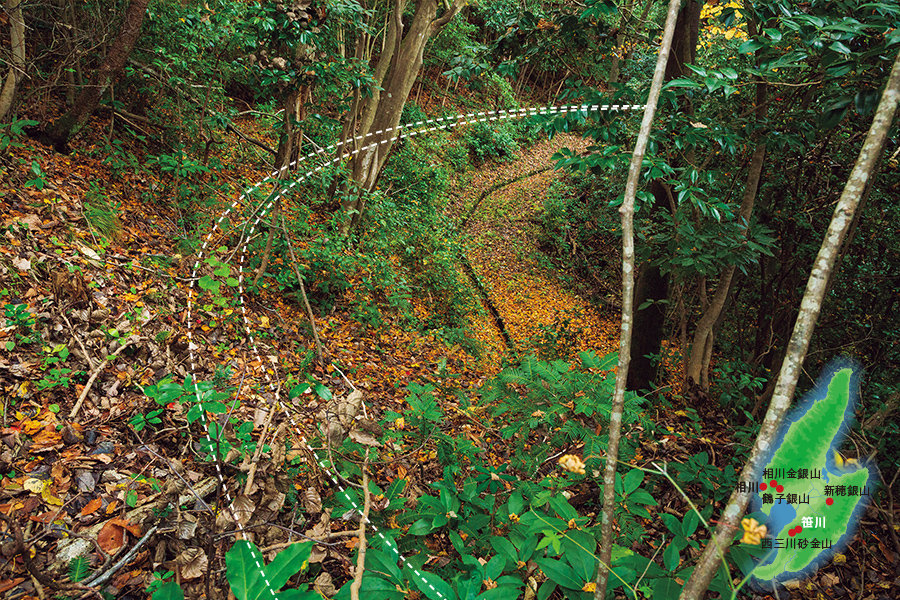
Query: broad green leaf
(503, 592)
(295, 594)
(560, 573)
(503, 547)
(243, 568)
(168, 591)
(633, 480)
(752, 46)
(666, 589)
(288, 562)
(670, 557)
(433, 586)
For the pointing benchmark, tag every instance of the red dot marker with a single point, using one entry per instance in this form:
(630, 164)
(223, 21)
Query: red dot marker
(773, 483)
(829, 501)
(798, 528)
(763, 486)
(792, 533)
(780, 488)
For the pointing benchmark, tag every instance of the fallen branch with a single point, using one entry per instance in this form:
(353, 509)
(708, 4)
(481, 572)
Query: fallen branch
(364, 520)
(232, 129)
(309, 313)
(96, 372)
(105, 576)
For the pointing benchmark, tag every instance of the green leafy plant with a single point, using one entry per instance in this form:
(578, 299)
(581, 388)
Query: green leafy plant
(560, 401)
(18, 316)
(10, 132)
(248, 582)
(101, 214)
(39, 177)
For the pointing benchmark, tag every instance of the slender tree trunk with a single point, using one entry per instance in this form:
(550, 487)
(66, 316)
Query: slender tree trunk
(798, 345)
(17, 62)
(70, 123)
(620, 40)
(626, 211)
(701, 349)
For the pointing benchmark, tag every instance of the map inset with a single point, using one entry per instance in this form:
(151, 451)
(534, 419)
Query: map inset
(813, 496)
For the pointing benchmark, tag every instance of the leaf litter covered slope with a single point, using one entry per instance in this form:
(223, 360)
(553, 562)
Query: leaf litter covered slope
(533, 301)
(73, 303)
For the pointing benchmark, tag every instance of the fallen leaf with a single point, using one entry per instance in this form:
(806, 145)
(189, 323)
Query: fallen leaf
(193, 563)
(111, 536)
(91, 507)
(34, 485)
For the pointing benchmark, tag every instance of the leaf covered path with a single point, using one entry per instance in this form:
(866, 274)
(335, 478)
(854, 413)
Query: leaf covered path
(501, 222)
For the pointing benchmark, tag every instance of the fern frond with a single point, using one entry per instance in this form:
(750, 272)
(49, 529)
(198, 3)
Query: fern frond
(79, 568)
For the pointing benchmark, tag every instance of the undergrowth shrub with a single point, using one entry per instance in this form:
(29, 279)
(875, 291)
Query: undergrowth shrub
(546, 405)
(490, 140)
(102, 214)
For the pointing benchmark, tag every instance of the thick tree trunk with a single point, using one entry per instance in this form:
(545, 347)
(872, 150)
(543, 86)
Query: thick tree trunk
(652, 284)
(386, 112)
(72, 121)
(810, 306)
(17, 57)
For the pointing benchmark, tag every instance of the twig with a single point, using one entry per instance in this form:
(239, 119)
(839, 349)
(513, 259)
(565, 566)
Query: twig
(309, 312)
(96, 372)
(102, 578)
(364, 520)
(87, 356)
(259, 447)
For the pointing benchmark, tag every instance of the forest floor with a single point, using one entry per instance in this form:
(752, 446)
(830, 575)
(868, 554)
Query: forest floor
(104, 323)
(498, 212)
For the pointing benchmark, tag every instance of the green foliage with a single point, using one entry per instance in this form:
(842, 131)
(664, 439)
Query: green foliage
(714, 484)
(11, 132)
(490, 140)
(25, 323)
(558, 338)
(102, 214)
(559, 401)
(421, 426)
(38, 179)
(248, 581)
(168, 591)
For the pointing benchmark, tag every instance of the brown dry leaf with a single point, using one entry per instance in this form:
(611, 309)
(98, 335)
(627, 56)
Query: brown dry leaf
(8, 584)
(324, 585)
(243, 508)
(364, 438)
(47, 440)
(193, 563)
(91, 507)
(111, 536)
(186, 526)
(312, 502)
(322, 527)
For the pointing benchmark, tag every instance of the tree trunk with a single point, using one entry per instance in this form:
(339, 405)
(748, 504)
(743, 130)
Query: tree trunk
(701, 349)
(387, 109)
(17, 61)
(73, 120)
(810, 306)
(652, 285)
(627, 216)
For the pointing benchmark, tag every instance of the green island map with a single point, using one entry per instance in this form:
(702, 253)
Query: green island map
(811, 496)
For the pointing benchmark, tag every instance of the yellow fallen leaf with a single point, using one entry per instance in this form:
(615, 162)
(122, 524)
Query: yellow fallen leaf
(50, 498)
(33, 484)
